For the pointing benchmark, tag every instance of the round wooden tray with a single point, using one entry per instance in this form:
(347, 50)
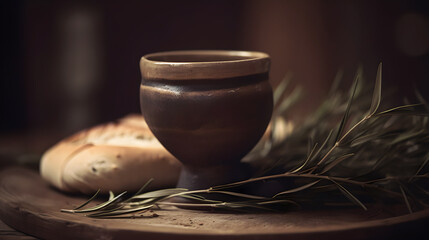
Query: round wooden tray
(30, 205)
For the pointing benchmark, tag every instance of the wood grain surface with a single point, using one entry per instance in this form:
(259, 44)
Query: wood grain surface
(8, 233)
(30, 205)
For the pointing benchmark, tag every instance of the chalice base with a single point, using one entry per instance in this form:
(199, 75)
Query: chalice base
(203, 177)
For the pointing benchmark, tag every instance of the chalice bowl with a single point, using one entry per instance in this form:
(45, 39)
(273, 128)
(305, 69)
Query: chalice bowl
(208, 109)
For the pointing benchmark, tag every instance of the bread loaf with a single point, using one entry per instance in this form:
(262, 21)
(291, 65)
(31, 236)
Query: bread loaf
(116, 156)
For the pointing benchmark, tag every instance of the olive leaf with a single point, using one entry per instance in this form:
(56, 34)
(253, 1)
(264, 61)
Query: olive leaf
(376, 97)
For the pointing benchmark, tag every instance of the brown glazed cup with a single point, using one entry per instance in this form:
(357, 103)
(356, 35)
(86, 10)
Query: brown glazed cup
(208, 108)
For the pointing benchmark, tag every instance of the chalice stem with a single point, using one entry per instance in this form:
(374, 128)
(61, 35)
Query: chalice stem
(202, 177)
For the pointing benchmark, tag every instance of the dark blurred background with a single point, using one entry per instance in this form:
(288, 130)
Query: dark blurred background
(67, 65)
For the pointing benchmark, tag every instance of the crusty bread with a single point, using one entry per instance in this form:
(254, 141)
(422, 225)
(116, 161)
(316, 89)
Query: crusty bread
(115, 156)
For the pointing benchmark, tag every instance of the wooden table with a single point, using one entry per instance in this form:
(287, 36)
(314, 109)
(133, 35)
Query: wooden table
(22, 149)
(8, 233)
(29, 204)
(175, 224)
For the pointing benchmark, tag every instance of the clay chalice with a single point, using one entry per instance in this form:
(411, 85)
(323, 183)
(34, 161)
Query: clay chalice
(208, 108)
